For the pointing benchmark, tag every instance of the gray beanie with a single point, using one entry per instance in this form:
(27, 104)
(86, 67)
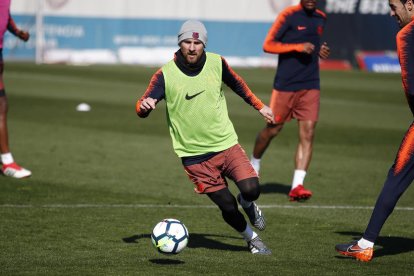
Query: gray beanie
(193, 29)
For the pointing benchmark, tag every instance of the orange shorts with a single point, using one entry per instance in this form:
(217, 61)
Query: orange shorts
(210, 176)
(302, 105)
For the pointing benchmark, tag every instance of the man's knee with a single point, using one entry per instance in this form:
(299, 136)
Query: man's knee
(272, 130)
(252, 195)
(249, 188)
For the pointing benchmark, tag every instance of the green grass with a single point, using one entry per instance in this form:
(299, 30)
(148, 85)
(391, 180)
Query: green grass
(102, 179)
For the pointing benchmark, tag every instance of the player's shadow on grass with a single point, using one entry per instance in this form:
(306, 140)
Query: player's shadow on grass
(388, 245)
(166, 261)
(199, 241)
(205, 241)
(274, 188)
(135, 238)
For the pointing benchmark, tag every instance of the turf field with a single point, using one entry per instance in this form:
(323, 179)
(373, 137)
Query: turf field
(102, 179)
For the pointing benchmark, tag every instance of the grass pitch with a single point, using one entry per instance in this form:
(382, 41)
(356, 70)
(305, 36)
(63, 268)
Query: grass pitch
(102, 179)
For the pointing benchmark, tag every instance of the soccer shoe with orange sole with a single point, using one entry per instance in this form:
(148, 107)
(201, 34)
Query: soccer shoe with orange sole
(353, 250)
(299, 194)
(15, 171)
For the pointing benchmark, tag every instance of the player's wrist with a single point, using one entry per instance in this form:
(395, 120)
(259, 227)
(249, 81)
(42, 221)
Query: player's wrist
(259, 106)
(300, 47)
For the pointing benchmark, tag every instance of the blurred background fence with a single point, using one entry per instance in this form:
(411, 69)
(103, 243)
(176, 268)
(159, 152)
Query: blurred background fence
(360, 32)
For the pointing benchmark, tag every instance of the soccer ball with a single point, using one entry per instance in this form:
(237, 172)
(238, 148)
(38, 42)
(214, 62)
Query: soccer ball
(170, 236)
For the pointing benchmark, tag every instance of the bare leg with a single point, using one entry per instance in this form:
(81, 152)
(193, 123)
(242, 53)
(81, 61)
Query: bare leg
(305, 146)
(264, 138)
(302, 160)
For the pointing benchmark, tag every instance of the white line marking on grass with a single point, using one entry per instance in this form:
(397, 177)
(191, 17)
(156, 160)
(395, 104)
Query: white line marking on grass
(330, 207)
(98, 206)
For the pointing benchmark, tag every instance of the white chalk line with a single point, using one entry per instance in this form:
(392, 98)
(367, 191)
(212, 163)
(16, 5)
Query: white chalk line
(102, 206)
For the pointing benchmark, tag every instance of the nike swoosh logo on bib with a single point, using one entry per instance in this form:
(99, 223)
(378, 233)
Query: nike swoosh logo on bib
(188, 97)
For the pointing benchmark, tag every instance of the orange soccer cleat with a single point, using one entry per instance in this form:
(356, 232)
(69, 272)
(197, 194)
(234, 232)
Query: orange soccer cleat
(353, 250)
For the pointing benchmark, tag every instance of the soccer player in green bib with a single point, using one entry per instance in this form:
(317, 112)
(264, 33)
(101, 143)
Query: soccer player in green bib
(202, 134)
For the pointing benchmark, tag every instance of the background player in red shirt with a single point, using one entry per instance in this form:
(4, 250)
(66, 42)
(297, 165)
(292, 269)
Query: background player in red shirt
(295, 36)
(401, 174)
(9, 167)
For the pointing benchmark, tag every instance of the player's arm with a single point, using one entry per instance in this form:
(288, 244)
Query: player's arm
(155, 92)
(239, 86)
(273, 44)
(11, 27)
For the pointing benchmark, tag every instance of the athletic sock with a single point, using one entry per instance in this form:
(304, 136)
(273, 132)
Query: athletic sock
(255, 163)
(248, 234)
(244, 203)
(364, 244)
(7, 158)
(298, 178)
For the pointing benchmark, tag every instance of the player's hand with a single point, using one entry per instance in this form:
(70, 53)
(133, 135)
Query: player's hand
(267, 113)
(148, 104)
(23, 35)
(308, 48)
(324, 51)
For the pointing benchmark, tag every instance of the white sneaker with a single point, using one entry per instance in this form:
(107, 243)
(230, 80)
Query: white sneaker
(14, 170)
